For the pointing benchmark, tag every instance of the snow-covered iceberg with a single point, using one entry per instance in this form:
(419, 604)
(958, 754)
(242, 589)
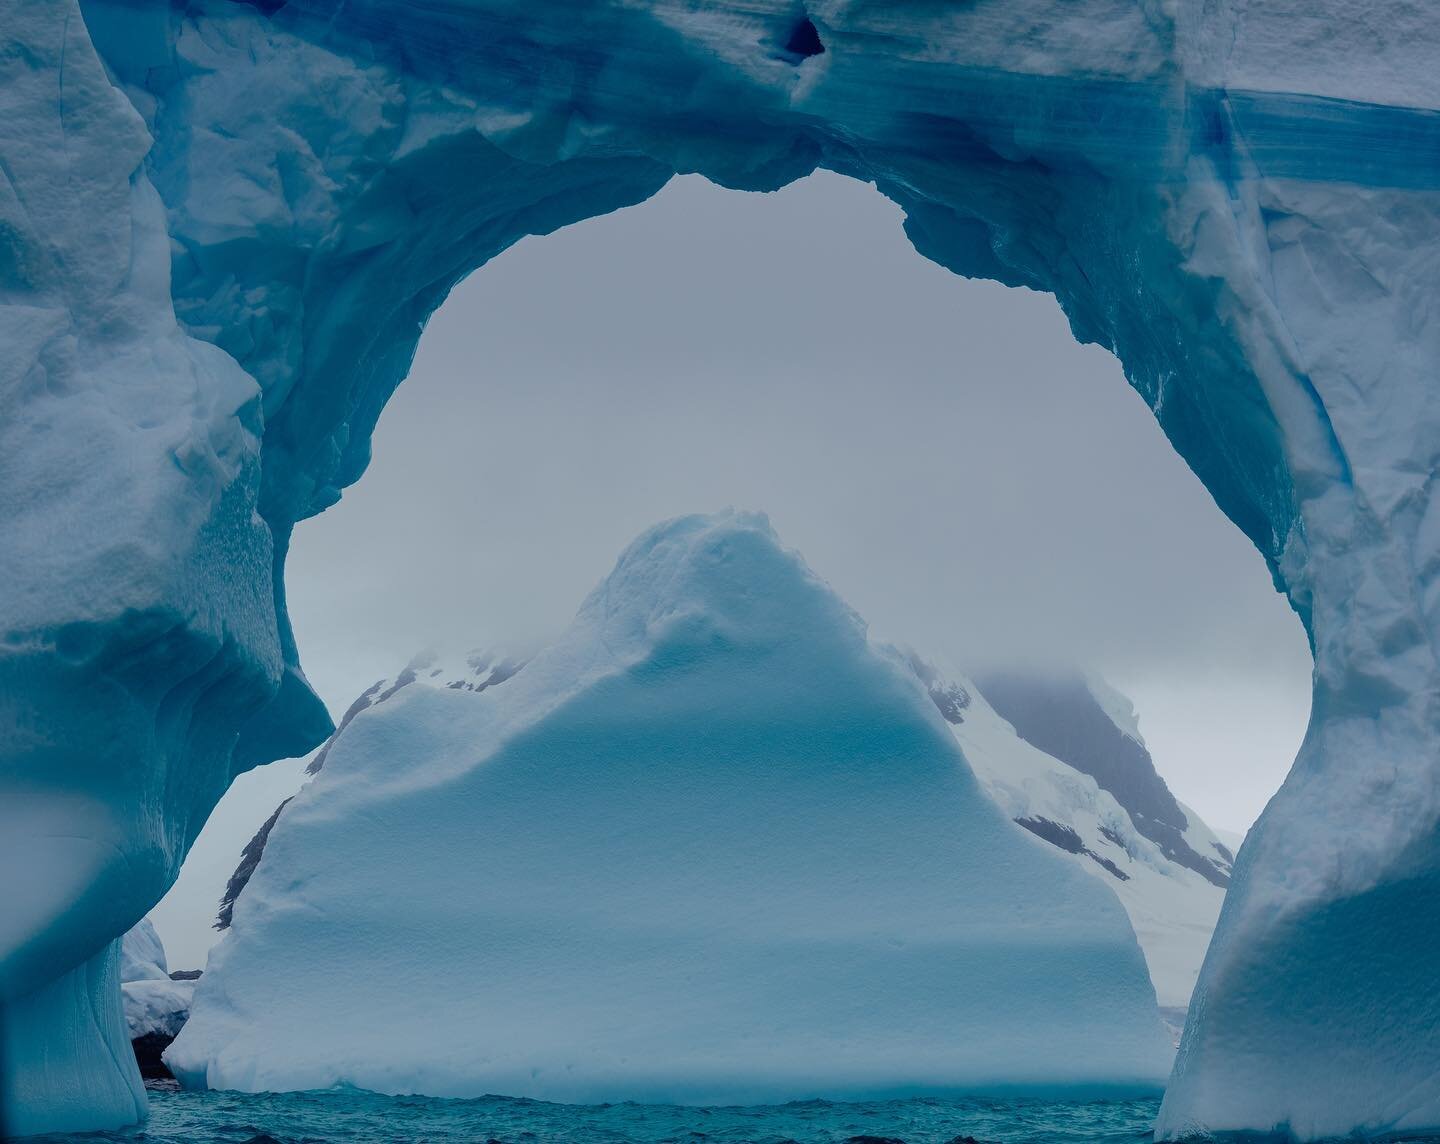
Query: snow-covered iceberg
(157, 1002)
(712, 846)
(156, 1007)
(225, 225)
(142, 955)
(1172, 905)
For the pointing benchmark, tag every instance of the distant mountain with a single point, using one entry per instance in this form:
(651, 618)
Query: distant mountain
(1060, 713)
(474, 672)
(1061, 753)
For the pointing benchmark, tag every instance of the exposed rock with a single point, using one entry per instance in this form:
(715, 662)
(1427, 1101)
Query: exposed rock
(148, 1050)
(1058, 713)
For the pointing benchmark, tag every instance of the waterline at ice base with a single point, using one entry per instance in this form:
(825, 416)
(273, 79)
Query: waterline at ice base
(226, 223)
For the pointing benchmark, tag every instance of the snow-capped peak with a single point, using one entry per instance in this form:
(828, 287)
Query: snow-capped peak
(1168, 869)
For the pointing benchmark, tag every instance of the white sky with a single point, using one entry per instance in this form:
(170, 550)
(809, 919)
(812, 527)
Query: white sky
(941, 450)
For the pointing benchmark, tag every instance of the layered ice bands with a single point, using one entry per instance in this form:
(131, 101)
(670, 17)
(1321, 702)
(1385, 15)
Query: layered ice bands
(224, 225)
(711, 847)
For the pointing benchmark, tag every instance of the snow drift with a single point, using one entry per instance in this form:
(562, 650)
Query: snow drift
(711, 847)
(226, 223)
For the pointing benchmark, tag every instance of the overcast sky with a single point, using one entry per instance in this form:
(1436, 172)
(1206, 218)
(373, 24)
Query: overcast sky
(964, 474)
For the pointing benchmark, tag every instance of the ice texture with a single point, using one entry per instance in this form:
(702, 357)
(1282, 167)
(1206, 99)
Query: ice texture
(225, 224)
(156, 1008)
(142, 955)
(712, 846)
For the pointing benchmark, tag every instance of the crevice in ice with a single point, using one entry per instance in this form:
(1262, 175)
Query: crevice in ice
(804, 40)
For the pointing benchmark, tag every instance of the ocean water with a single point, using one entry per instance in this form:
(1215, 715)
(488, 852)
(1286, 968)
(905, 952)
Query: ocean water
(354, 1117)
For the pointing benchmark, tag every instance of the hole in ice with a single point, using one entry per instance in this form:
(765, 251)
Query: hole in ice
(804, 40)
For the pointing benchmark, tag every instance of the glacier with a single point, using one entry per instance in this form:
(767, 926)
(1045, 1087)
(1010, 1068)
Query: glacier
(224, 225)
(713, 846)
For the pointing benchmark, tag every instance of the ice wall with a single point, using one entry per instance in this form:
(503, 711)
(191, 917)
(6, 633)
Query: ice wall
(138, 626)
(221, 247)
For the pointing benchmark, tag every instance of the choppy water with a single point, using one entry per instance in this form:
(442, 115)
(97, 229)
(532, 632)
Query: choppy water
(366, 1118)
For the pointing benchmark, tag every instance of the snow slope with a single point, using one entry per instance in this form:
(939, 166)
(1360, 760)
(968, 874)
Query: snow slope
(1060, 713)
(712, 846)
(1172, 906)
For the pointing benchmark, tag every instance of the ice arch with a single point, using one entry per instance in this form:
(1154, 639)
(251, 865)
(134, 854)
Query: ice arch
(223, 224)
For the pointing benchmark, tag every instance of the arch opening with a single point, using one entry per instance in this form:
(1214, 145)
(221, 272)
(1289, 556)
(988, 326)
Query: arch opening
(1239, 274)
(707, 348)
(789, 352)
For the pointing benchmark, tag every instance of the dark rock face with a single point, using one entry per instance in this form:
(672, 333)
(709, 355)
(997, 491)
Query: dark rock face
(485, 671)
(1058, 714)
(1065, 837)
(950, 699)
(249, 860)
(186, 974)
(147, 1055)
(366, 699)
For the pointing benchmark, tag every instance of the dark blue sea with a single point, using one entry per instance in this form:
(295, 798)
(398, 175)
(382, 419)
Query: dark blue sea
(366, 1118)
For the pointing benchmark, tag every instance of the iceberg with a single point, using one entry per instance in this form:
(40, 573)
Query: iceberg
(713, 846)
(225, 225)
(157, 1002)
(156, 1008)
(1172, 906)
(142, 955)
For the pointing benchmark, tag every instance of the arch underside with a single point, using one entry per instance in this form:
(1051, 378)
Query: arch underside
(229, 229)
